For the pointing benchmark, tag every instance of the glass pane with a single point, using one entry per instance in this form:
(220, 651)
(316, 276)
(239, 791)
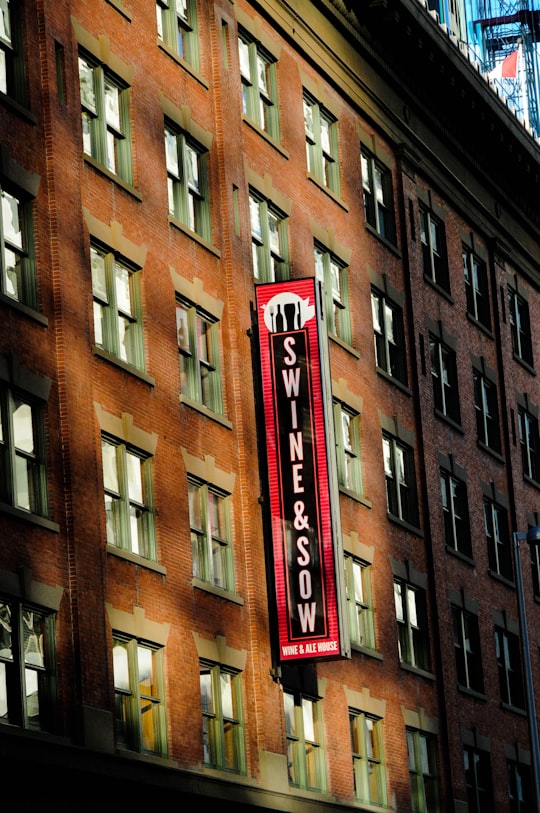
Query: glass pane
(99, 280)
(31, 681)
(255, 218)
(308, 119)
(182, 328)
(398, 601)
(273, 232)
(215, 515)
(243, 51)
(113, 509)
(171, 153)
(6, 651)
(110, 470)
(134, 475)
(411, 607)
(226, 690)
(23, 430)
(33, 623)
(145, 665)
(3, 692)
(261, 73)
(207, 695)
(13, 273)
(121, 665)
(308, 709)
(325, 136)
(358, 582)
(192, 168)
(149, 726)
(5, 22)
(11, 220)
(86, 78)
(195, 513)
(112, 105)
(204, 345)
(122, 288)
(290, 717)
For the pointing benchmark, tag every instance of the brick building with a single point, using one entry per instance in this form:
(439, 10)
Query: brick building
(157, 161)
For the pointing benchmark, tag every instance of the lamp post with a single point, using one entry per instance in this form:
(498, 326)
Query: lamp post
(532, 536)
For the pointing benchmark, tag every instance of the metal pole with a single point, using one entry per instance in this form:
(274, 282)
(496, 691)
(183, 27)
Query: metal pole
(529, 686)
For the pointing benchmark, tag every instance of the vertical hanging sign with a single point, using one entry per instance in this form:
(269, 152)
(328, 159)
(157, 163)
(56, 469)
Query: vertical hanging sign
(292, 369)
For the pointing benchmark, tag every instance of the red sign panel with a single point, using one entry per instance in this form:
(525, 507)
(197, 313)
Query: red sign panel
(299, 474)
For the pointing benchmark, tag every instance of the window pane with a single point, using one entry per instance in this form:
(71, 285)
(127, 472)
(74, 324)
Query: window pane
(23, 431)
(110, 472)
(134, 474)
(33, 638)
(225, 686)
(308, 719)
(121, 666)
(10, 220)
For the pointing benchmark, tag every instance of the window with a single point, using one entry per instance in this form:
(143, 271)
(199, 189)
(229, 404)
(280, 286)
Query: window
(304, 747)
(333, 275)
(177, 28)
(139, 691)
(16, 248)
(321, 144)
(457, 533)
(487, 411)
(411, 615)
(187, 182)
(520, 327)
(198, 345)
(349, 462)
(129, 509)
(509, 663)
(467, 649)
(498, 539)
(23, 480)
(479, 780)
(359, 602)
(268, 240)
(400, 480)
(11, 51)
(433, 239)
(444, 378)
(378, 198)
(210, 535)
(529, 443)
(535, 567)
(389, 336)
(117, 307)
(105, 118)
(259, 85)
(27, 677)
(368, 758)
(223, 726)
(423, 771)
(476, 287)
(520, 788)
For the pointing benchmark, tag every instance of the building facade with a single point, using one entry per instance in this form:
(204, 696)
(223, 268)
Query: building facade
(158, 161)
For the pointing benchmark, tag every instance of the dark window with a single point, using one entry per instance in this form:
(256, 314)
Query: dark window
(444, 378)
(411, 615)
(389, 336)
(520, 789)
(487, 412)
(476, 288)
(529, 443)
(456, 514)
(467, 650)
(433, 239)
(520, 327)
(510, 673)
(479, 780)
(498, 539)
(378, 197)
(400, 480)
(423, 771)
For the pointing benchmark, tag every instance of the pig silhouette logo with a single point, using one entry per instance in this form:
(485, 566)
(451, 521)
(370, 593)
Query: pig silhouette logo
(287, 311)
